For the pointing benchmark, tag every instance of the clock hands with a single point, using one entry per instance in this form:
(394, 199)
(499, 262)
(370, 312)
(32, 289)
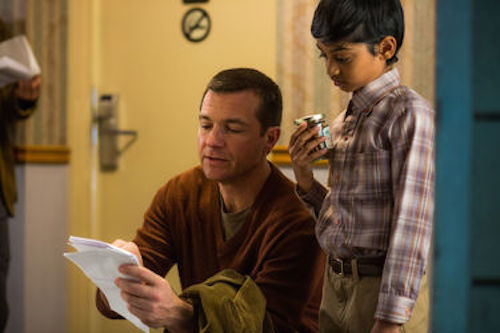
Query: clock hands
(197, 25)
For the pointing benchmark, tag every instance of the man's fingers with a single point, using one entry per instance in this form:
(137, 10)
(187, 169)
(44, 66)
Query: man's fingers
(141, 273)
(132, 288)
(130, 247)
(119, 243)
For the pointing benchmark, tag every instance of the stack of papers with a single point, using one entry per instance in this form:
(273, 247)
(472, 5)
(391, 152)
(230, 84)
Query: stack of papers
(17, 61)
(99, 261)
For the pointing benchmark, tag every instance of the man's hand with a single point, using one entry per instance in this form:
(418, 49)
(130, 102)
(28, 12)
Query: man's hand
(153, 301)
(130, 247)
(381, 326)
(28, 89)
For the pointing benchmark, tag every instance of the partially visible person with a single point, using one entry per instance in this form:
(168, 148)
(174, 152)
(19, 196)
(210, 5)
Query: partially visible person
(375, 219)
(244, 243)
(17, 102)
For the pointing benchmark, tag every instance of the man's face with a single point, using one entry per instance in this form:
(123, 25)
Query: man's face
(230, 144)
(351, 66)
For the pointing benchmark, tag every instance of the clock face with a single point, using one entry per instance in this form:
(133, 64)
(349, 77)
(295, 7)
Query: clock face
(196, 24)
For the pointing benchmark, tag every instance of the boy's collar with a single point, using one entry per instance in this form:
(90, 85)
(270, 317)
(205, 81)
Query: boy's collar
(366, 97)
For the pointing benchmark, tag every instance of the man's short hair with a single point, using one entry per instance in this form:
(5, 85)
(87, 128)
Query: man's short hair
(359, 21)
(239, 79)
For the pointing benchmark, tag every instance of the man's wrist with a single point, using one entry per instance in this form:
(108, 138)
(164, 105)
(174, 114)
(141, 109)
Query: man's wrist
(184, 321)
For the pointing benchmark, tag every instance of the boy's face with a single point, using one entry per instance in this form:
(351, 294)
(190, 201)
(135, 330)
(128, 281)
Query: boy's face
(351, 66)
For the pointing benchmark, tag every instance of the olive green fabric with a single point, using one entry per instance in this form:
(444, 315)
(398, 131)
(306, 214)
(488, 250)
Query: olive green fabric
(229, 302)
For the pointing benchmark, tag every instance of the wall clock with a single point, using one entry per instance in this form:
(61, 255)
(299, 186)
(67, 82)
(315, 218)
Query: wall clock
(196, 24)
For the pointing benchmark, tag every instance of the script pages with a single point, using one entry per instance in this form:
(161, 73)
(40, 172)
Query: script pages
(99, 261)
(17, 61)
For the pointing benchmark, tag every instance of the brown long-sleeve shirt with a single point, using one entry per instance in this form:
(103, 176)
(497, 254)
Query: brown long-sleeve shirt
(276, 246)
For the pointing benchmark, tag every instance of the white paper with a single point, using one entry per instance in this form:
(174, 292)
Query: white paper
(17, 61)
(99, 261)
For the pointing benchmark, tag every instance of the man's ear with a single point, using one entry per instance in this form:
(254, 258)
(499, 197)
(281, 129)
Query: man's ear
(272, 136)
(387, 47)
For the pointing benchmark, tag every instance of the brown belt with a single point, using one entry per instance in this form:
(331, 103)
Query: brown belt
(369, 266)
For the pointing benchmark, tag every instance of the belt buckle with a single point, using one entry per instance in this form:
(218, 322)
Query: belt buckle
(341, 262)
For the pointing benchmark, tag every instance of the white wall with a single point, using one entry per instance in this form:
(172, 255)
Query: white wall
(36, 286)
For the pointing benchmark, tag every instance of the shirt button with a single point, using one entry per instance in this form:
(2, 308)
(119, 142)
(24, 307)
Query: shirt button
(346, 138)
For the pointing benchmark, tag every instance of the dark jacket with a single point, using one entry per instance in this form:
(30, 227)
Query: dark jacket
(11, 110)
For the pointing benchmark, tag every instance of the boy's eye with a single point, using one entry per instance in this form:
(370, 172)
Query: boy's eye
(342, 60)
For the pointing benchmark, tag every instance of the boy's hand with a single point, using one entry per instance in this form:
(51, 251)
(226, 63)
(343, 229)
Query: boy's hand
(381, 326)
(303, 151)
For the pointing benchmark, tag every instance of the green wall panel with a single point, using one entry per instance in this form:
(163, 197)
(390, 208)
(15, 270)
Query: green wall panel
(485, 211)
(484, 309)
(486, 26)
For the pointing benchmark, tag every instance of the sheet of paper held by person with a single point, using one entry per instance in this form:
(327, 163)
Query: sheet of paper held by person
(17, 61)
(99, 261)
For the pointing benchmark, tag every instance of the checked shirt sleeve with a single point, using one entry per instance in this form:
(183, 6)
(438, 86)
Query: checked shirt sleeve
(314, 198)
(412, 140)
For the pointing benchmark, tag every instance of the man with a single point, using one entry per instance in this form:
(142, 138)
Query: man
(16, 102)
(235, 211)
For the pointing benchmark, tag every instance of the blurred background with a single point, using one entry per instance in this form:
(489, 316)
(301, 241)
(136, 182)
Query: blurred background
(132, 58)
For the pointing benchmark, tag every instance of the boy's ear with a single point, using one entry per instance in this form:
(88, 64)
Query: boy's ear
(387, 47)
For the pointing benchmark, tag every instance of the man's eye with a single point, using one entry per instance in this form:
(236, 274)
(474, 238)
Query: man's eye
(205, 126)
(322, 55)
(234, 130)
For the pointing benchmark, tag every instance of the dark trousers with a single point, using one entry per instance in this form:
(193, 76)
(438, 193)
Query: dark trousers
(4, 264)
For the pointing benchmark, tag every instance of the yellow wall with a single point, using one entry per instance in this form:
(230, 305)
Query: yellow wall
(135, 48)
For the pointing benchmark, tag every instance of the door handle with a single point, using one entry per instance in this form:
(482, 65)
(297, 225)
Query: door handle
(108, 133)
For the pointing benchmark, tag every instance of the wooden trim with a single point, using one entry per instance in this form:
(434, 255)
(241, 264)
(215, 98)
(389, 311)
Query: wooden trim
(42, 154)
(279, 155)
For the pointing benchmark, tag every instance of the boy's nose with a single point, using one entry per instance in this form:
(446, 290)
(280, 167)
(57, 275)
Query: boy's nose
(332, 69)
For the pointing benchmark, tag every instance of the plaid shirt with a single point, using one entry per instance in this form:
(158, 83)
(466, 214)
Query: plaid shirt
(380, 200)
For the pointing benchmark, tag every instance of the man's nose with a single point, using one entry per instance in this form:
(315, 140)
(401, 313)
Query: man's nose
(215, 137)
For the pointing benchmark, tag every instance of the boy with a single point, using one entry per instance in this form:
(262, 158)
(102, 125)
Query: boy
(375, 220)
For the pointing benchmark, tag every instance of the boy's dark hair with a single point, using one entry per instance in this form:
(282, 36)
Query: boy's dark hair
(359, 21)
(239, 79)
